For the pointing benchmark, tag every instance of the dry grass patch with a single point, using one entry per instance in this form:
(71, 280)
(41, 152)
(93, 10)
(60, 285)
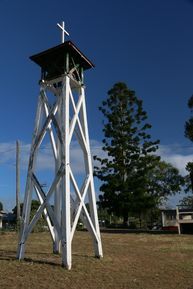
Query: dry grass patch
(131, 261)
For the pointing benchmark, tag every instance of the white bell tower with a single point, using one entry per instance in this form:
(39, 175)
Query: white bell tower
(62, 71)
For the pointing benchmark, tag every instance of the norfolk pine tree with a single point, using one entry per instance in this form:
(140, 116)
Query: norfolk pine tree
(129, 152)
(131, 174)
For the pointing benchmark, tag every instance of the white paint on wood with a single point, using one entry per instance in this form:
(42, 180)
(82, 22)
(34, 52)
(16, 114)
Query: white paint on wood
(62, 221)
(62, 27)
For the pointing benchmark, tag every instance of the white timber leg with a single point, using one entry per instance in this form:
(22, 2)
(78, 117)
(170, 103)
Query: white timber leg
(25, 220)
(179, 229)
(58, 192)
(65, 151)
(91, 190)
(56, 154)
(28, 190)
(57, 210)
(178, 220)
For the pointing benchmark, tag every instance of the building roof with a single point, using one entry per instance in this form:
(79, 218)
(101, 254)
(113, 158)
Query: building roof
(54, 57)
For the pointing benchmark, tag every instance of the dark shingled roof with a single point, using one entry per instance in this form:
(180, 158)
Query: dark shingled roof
(54, 58)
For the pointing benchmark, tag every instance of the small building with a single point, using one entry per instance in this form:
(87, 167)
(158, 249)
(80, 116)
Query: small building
(169, 220)
(184, 216)
(2, 216)
(7, 220)
(179, 219)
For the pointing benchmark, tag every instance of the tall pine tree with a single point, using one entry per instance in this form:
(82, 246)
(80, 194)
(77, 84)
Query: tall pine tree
(129, 150)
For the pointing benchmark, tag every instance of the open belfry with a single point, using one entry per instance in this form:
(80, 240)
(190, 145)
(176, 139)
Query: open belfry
(63, 203)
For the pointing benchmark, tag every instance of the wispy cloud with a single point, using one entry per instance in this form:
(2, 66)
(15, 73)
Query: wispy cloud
(176, 154)
(45, 159)
(7, 153)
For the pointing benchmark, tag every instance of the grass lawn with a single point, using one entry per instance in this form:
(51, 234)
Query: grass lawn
(131, 261)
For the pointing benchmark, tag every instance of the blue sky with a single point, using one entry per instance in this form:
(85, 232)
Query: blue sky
(146, 43)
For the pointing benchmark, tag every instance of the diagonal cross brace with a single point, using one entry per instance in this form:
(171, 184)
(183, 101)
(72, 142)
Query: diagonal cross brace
(76, 112)
(47, 205)
(49, 112)
(46, 215)
(44, 128)
(75, 120)
(40, 210)
(83, 207)
(83, 193)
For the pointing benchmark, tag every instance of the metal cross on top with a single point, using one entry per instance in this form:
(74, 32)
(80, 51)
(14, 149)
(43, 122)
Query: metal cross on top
(62, 27)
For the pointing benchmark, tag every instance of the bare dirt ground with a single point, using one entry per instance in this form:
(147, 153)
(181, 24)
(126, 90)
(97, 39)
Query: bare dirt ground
(131, 261)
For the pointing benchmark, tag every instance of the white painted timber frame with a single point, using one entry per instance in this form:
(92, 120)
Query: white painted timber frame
(63, 219)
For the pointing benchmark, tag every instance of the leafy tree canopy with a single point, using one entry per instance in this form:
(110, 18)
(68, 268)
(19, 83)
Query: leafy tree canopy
(34, 207)
(187, 202)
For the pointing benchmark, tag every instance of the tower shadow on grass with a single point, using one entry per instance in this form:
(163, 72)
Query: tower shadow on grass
(9, 255)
